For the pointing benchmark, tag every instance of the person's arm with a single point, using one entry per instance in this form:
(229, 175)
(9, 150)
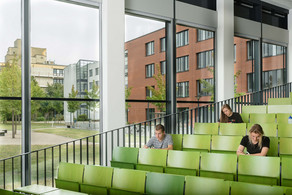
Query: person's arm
(149, 143)
(240, 150)
(169, 147)
(262, 153)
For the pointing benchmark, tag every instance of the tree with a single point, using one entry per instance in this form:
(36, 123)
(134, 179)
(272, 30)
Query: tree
(237, 94)
(36, 91)
(208, 87)
(73, 106)
(93, 94)
(158, 93)
(128, 105)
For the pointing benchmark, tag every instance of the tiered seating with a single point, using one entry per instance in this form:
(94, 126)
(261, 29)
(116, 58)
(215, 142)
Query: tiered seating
(240, 188)
(283, 117)
(199, 143)
(262, 118)
(232, 129)
(286, 177)
(151, 160)
(285, 146)
(125, 157)
(177, 141)
(279, 101)
(225, 144)
(206, 128)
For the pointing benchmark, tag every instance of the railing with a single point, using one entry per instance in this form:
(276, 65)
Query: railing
(96, 149)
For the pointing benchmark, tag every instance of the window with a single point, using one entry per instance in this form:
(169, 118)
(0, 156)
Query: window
(272, 78)
(205, 59)
(149, 70)
(162, 44)
(163, 67)
(234, 53)
(205, 87)
(149, 93)
(272, 50)
(182, 38)
(58, 72)
(58, 81)
(90, 85)
(90, 73)
(249, 82)
(150, 113)
(85, 87)
(96, 83)
(204, 35)
(150, 48)
(96, 71)
(250, 50)
(182, 89)
(182, 64)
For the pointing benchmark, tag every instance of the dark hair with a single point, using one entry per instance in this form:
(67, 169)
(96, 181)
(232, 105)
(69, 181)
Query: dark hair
(159, 127)
(224, 117)
(257, 129)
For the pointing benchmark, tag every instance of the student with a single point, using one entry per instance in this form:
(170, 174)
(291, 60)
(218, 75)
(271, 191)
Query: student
(255, 143)
(161, 140)
(227, 116)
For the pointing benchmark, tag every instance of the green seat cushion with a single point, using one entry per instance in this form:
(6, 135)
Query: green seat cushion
(122, 165)
(218, 175)
(67, 185)
(151, 168)
(94, 190)
(240, 188)
(113, 191)
(180, 171)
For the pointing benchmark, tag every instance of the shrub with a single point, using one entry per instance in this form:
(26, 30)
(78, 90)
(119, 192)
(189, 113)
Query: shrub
(82, 117)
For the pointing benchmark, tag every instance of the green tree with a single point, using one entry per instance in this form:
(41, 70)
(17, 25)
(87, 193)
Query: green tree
(73, 106)
(127, 95)
(93, 94)
(208, 88)
(237, 94)
(36, 91)
(158, 92)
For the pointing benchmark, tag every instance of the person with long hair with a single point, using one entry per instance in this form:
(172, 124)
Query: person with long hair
(227, 116)
(256, 143)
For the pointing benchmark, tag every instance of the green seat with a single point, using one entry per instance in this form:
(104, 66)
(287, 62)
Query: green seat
(159, 183)
(127, 181)
(152, 160)
(254, 109)
(7, 192)
(279, 109)
(274, 147)
(222, 166)
(240, 188)
(201, 185)
(288, 191)
(96, 179)
(177, 141)
(259, 169)
(284, 130)
(270, 129)
(286, 177)
(279, 101)
(206, 128)
(124, 157)
(183, 162)
(225, 144)
(283, 117)
(245, 117)
(262, 118)
(69, 176)
(232, 129)
(285, 146)
(197, 142)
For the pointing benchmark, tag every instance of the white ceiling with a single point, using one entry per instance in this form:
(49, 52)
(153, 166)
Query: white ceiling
(287, 4)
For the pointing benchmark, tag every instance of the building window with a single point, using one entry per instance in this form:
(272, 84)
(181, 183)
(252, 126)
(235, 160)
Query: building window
(249, 82)
(204, 35)
(182, 64)
(149, 93)
(205, 88)
(150, 113)
(84, 87)
(150, 48)
(58, 81)
(234, 53)
(96, 83)
(90, 85)
(90, 73)
(96, 71)
(205, 59)
(163, 67)
(272, 78)
(149, 70)
(272, 50)
(182, 38)
(162, 44)
(250, 49)
(58, 72)
(182, 89)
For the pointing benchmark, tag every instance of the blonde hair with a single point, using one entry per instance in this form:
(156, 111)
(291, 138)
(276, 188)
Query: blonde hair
(257, 129)
(224, 117)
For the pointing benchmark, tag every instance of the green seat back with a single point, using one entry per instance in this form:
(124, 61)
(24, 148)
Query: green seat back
(240, 188)
(262, 118)
(288, 191)
(245, 117)
(283, 117)
(284, 130)
(206, 128)
(279, 101)
(98, 176)
(259, 169)
(202, 185)
(254, 109)
(274, 147)
(177, 141)
(285, 146)
(152, 157)
(197, 142)
(221, 143)
(6, 192)
(221, 166)
(183, 160)
(129, 180)
(279, 109)
(232, 129)
(286, 177)
(161, 183)
(125, 154)
(270, 129)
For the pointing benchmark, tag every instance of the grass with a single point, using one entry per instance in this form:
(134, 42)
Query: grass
(68, 132)
(8, 125)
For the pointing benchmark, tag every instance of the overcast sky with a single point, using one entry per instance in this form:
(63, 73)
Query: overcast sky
(69, 32)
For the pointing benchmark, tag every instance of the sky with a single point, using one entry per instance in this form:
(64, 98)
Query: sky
(69, 32)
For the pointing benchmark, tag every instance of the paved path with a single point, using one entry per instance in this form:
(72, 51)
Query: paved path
(36, 139)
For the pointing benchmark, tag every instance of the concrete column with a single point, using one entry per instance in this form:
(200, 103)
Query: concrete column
(112, 69)
(224, 50)
(289, 51)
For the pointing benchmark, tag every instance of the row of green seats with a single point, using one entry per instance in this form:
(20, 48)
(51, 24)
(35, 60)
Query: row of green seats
(256, 169)
(266, 117)
(115, 181)
(280, 101)
(270, 129)
(8, 192)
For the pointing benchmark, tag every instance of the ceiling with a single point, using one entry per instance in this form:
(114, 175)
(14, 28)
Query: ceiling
(287, 4)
